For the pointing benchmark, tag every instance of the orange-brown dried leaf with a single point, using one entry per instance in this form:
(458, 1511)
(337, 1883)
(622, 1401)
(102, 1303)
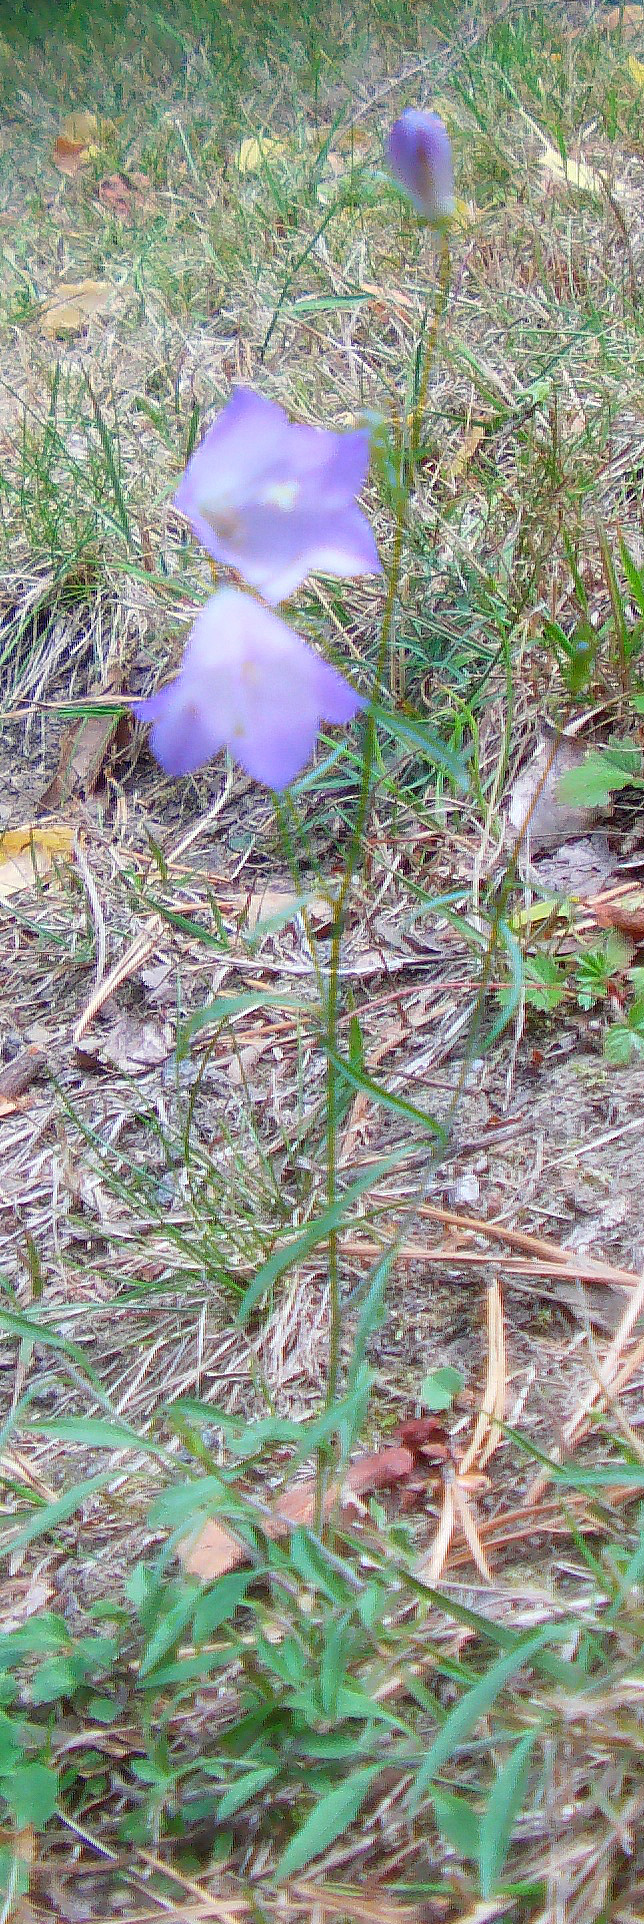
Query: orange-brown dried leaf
(629, 19)
(70, 155)
(379, 1470)
(213, 1553)
(17, 1076)
(611, 915)
(417, 1432)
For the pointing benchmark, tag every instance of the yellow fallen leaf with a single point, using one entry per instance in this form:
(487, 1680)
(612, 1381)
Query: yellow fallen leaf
(465, 454)
(574, 173)
(70, 307)
(465, 213)
(255, 149)
(27, 855)
(56, 837)
(636, 70)
(80, 126)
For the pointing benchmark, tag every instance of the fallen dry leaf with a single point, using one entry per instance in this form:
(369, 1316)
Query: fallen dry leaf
(535, 815)
(465, 454)
(636, 70)
(125, 195)
(81, 125)
(16, 1077)
(255, 149)
(70, 307)
(613, 915)
(215, 1551)
(129, 1045)
(84, 747)
(76, 143)
(578, 867)
(630, 19)
(572, 173)
(70, 155)
(27, 854)
(279, 906)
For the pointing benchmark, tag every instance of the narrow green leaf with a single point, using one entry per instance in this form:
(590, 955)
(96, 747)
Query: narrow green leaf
(51, 1514)
(224, 1008)
(503, 1806)
(98, 1431)
(167, 1632)
(219, 1604)
(358, 1080)
(476, 1703)
(511, 996)
(457, 1819)
(325, 303)
(332, 1815)
(25, 1326)
(248, 1786)
(417, 736)
(316, 1231)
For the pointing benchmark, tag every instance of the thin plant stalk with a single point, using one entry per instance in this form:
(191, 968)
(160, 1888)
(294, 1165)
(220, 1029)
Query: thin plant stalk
(408, 460)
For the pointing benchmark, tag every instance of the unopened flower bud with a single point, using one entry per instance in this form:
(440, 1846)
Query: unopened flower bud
(420, 158)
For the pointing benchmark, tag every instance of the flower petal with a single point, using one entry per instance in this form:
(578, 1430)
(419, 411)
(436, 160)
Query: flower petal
(247, 680)
(184, 735)
(267, 497)
(420, 157)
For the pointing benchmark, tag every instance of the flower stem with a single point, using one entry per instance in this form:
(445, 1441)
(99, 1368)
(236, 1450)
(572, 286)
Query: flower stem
(408, 458)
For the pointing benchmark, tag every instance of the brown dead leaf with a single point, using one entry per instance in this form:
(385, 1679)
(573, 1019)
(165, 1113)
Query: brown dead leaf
(422, 1434)
(579, 866)
(613, 915)
(77, 143)
(70, 155)
(535, 815)
(630, 19)
(125, 195)
(84, 748)
(27, 854)
(130, 1046)
(215, 1551)
(16, 1077)
(70, 307)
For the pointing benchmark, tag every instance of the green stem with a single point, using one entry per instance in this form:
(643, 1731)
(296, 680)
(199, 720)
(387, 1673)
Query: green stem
(407, 467)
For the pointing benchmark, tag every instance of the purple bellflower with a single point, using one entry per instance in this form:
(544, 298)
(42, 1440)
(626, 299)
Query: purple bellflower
(249, 683)
(420, 158)
(276, 500)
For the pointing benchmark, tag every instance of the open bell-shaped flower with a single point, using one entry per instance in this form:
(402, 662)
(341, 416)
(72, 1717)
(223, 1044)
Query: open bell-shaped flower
(276, 500)
(248, 683)
(420, 158)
